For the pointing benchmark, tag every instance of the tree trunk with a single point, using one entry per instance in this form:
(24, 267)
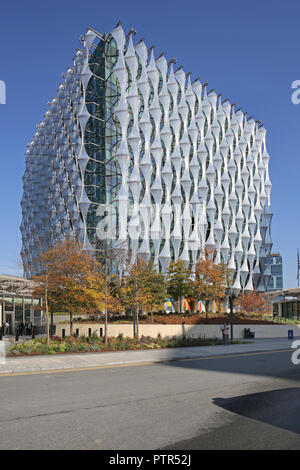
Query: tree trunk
(152, 318)
(47, 324)
(134, 333)
(71, 324)
(180, 304)
(105, 328)
(47, 310)
(106, 293)
(137, 323)
(206, 308)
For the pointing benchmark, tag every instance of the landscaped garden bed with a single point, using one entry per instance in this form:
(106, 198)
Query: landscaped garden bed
(209, 320)
(178, 319)
(72, 344)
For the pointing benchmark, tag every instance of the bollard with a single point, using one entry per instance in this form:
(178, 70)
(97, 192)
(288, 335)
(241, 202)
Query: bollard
(52, 329)
(32, 332)
(77, 332)
(17, 334)
(90, 332)
(1, 333)
(63, 333)
(101, 332)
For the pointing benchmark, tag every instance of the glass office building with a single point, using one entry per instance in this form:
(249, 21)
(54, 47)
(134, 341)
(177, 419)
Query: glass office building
(18, 305)
(276, 269)
(134, 153)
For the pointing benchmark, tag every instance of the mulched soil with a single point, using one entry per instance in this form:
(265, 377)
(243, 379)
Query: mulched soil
(189, 320)
(213, 320)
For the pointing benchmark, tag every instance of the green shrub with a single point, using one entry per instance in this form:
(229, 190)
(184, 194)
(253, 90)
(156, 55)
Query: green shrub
(95, 343)
(286, 321)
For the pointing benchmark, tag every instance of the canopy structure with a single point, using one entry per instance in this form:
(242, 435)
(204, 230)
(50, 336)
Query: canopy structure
(16, 286)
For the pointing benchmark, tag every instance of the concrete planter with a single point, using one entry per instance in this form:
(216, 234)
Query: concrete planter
(192, 331)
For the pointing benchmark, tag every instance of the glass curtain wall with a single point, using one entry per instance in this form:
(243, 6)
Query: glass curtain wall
(16, 310)
(102, 134)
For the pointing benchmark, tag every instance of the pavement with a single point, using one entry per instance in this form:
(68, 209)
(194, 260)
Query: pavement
(63, 362)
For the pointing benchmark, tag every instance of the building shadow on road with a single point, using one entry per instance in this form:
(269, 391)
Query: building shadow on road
(261, 363)
(266, 420)
(267, 364)
(254, 420)
(280, 408)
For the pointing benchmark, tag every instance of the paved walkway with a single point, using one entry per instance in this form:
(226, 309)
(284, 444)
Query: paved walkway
(107, 359)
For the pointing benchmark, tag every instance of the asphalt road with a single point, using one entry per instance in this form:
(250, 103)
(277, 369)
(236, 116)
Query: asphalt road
(243, 402)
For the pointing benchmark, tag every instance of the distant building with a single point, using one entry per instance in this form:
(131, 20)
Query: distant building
(274, 261)
(286, 303)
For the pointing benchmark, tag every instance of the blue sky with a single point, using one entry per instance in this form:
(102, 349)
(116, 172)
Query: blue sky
(249, 51)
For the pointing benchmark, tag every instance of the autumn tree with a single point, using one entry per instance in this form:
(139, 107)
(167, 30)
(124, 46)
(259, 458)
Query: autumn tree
(48, 288)
(255, 302)
(62, 282)
(103, 282)
(134, 291)
(155, 285)
(178, 281)
(211, 280)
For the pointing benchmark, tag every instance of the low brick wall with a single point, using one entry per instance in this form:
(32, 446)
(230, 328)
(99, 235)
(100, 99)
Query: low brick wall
(192, 331)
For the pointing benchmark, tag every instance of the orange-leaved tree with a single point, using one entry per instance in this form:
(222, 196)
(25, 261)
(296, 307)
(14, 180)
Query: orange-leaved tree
(102, 290)
(255, 302)
(63, 281)
(210, 279)
(134, 291)
(104, 279)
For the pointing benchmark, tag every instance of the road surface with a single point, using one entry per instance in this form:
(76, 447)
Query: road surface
(249, 401)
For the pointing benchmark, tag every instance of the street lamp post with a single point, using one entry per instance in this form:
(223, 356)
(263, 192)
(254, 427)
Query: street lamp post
(231, 297)
(232, 292)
